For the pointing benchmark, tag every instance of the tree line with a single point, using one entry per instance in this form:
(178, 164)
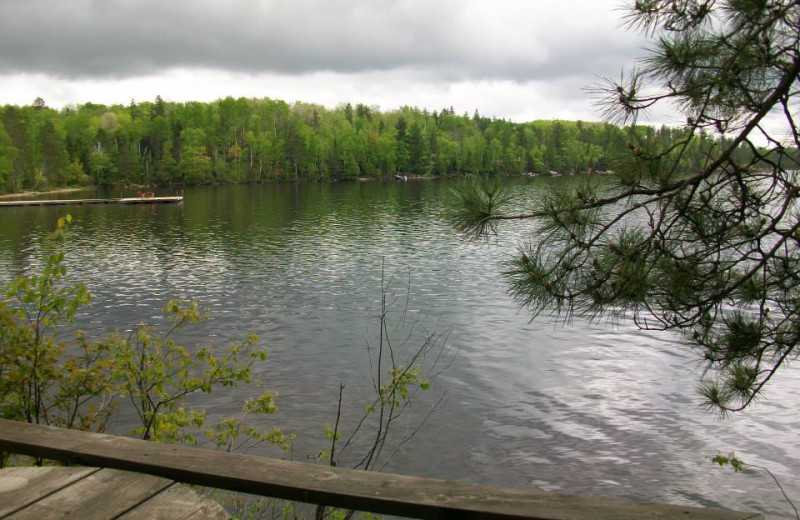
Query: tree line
(255, 140)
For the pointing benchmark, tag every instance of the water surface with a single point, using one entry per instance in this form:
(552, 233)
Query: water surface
(578, 408)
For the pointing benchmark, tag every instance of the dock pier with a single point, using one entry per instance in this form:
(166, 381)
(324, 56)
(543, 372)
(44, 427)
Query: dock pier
(65, 202)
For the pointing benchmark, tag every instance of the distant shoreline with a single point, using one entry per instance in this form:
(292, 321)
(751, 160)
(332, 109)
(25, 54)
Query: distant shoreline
(37, 193)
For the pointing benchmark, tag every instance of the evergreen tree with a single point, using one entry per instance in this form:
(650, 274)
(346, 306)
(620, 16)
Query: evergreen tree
(8, 154)
(348, 113)
(55, 160)
(401, 150)
(17, 130)
(417, 156)
(701, 232)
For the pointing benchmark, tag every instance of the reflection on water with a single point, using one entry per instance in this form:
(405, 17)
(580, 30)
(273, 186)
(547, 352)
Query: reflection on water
(584, 408)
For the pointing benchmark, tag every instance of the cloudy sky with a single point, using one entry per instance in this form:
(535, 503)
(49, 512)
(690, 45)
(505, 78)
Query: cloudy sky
(516, 59)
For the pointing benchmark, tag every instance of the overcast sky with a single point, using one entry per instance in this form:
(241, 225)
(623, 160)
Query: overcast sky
(516, 59)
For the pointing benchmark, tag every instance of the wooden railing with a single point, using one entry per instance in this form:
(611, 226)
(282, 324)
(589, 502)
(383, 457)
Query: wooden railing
(349, 489)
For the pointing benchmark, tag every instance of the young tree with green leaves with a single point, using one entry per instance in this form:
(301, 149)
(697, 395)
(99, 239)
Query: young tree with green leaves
(46, 378)
(710, 250)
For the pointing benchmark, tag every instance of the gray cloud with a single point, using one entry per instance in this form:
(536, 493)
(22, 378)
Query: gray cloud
(454, 40)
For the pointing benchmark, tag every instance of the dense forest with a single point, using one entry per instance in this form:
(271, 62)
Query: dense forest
(254, 140)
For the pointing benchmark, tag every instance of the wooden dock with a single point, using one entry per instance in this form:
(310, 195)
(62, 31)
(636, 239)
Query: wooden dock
(332, 486)
(38, 493)
(65, 202)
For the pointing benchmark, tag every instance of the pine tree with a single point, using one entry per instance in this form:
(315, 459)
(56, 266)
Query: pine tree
(401, 150)
(708, 248)
(55, 160)
(8, 154)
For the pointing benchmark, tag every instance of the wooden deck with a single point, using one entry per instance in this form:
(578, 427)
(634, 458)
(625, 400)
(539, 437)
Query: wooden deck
(98, 494)
(364, 491)
(65, 202)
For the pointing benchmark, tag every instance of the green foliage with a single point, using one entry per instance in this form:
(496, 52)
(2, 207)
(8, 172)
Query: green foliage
(8, 155)
(255, 140)
(697, 230)
(729, 459)
(157, 375)
(475, 206)
(45, 379)
(81, 383)
(738, 465)
(401, 381)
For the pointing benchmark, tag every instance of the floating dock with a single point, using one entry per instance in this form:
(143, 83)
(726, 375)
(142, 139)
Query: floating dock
(64, 202)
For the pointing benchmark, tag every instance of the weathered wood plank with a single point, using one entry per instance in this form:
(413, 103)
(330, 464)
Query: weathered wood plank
(104, 494)
(377, 492)
(177, 503)
(20, 487)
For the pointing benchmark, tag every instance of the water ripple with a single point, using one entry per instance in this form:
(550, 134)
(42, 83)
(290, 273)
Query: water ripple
(585, 408)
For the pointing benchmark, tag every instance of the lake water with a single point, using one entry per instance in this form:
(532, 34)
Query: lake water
(579, 408)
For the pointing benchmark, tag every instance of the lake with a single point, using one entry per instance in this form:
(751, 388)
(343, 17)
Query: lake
(580, 408)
